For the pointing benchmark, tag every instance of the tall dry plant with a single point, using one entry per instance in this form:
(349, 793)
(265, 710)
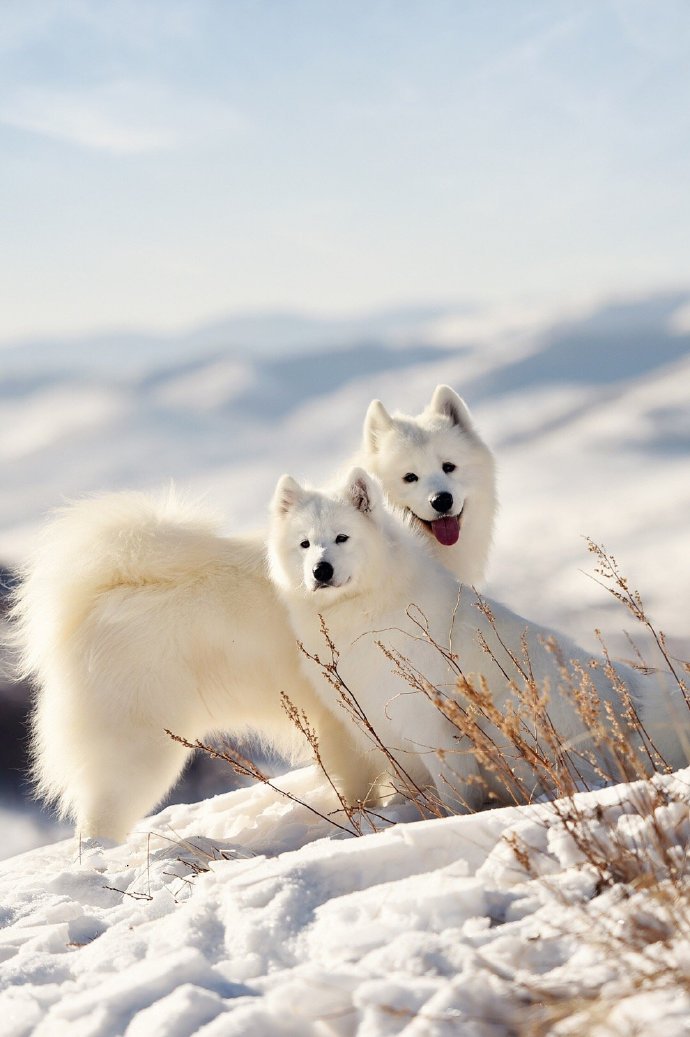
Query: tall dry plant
(520, 754)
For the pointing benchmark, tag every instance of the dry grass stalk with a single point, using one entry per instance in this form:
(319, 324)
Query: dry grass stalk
(617, 585)
(519, 752)
(424, 799)
(247, 768)
(637, 851)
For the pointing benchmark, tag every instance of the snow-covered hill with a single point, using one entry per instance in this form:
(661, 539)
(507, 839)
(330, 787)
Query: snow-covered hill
(246, 915)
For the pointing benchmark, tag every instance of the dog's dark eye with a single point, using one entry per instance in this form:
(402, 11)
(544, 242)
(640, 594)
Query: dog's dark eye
(305, 543)
(448, 467)
(341, 538)
(410, 477)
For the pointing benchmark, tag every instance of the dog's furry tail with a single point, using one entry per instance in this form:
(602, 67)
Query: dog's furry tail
(88, 548)
(94, 545)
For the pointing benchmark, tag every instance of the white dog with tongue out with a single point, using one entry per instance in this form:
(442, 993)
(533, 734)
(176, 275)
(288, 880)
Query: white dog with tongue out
(439, 470)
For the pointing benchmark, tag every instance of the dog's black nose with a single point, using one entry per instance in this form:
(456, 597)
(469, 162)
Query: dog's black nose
(323, 572)
(442, 502)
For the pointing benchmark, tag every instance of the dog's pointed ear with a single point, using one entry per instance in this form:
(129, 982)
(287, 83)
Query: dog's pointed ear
(377, 421)
(447, 402)
(287, 493)
(362, 491)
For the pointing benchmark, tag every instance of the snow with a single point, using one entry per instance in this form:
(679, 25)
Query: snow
(245, 914)
(248, 914)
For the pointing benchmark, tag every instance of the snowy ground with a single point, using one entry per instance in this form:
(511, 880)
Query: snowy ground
(245, 915)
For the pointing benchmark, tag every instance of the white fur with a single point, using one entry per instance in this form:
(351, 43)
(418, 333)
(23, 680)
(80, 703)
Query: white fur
(383, 576)
(395, 445)
(135, 616)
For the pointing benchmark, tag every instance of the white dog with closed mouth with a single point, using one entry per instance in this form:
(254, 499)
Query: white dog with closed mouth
(344, 558)
(136, 615)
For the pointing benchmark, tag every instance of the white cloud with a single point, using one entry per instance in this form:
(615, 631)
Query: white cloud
(121, 117)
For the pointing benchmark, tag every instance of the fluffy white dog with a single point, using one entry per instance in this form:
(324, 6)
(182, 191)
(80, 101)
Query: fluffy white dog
(438, 469)
(344, 559)
(136, 615)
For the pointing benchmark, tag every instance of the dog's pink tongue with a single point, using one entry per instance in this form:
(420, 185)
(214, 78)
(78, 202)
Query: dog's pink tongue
(446, 530)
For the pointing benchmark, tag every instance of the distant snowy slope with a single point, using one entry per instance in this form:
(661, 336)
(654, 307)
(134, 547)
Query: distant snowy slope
(588, 417)
(253, 334)
(613, 465)
(619, 341)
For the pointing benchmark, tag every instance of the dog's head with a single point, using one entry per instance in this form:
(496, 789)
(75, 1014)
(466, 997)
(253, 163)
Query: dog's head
(429, 465)
(323, 545)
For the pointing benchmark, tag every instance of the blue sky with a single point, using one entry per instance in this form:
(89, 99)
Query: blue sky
(167, 161)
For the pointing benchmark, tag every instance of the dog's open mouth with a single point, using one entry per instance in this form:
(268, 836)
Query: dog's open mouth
(445, 529)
